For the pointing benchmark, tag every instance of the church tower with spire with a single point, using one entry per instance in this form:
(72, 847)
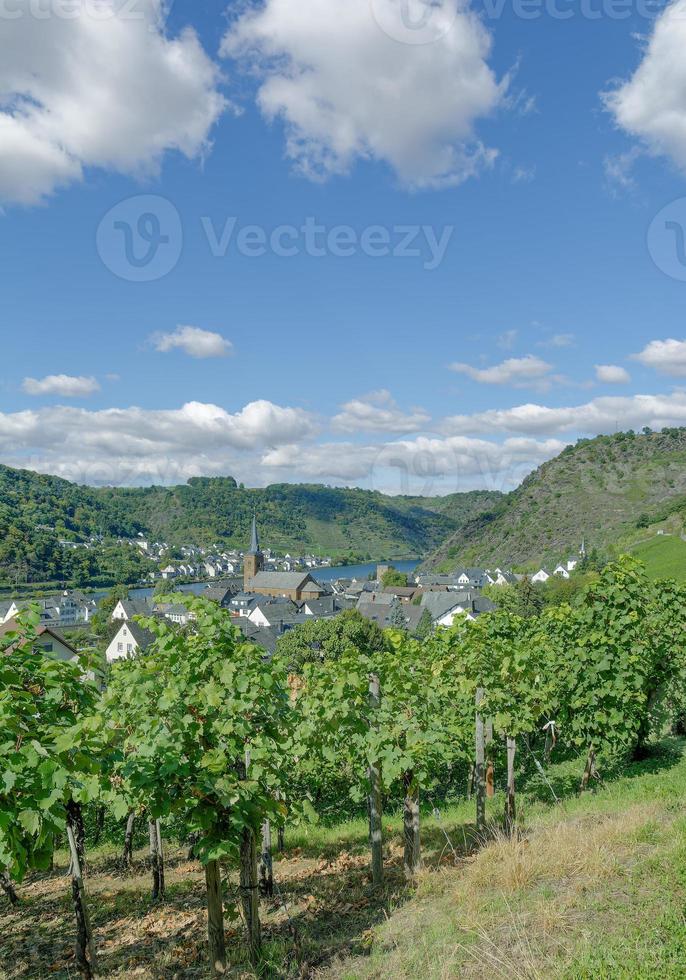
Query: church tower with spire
(253, 560)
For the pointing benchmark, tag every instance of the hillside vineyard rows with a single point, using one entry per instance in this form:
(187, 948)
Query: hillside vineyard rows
(216, 747)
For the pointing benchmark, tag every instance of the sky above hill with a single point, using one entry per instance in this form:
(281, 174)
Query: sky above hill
(414, 245)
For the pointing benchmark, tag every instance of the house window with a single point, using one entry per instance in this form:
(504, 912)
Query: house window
(120, 647)
(129, 647)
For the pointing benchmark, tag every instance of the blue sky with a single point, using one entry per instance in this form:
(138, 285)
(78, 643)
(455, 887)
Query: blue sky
(547, 155)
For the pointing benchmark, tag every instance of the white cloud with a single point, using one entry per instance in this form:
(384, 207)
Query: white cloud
(652, 104)
(61, 384)
(523, 175)
(666, 356)
(378, 412)
(134, 445)
(104, 87)
(427, 464)
(593, 418)
(194, 342)
(507, 339)
(558, 340)
(618, 171)
(612, 374)
(520, 372)
(348, 90)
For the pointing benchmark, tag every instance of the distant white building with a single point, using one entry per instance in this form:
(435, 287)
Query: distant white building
(561, 571)
(542, 575)
(129, 640)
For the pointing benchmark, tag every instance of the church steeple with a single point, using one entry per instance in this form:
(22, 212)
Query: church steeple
(253, 560)
(254, 543)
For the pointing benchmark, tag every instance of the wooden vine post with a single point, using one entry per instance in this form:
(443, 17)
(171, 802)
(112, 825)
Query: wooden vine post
(249, 886)
(480, 771)
(510, 806)
(490, 768)
(8, 887)
(249, 894)
(85, 956)
(156, 859)
(127, 854)
(75, 818)
(266, 870)
(589, 769)
(375, 799)
(412, 855)
(215, 918)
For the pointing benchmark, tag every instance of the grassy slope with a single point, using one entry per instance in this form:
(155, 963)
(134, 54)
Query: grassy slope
(595, 887)
(597, 489)
(664, 557)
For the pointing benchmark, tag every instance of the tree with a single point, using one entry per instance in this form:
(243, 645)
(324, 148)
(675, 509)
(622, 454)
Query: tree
(165, 586)
(203, 721)
(392, 577)
(328, 639)
(425, 626)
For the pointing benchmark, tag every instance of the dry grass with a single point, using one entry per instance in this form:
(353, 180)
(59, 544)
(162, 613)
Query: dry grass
(519, 908)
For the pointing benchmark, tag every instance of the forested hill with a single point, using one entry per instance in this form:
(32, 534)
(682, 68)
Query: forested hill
(37, 511)
(604, 490)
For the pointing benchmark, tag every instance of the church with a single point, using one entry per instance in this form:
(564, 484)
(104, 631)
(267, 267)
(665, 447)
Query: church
(297, 586)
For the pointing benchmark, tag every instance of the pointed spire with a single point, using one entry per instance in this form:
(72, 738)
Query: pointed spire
(254, 543)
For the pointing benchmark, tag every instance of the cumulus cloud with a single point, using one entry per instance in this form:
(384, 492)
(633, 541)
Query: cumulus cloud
(104, 87)
(519, 372)
(612, 374)
(124, 445)
(651, 105)
(425, 464)
(346, 89)
(194, 342)
(593, 418)
(378, 412)
(666, 356)
(61, 384)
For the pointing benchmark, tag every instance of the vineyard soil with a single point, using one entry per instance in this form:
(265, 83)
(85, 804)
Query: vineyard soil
(594, 887)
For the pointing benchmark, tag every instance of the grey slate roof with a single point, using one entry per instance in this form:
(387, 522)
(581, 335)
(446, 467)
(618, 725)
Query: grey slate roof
(440, 603)
(142, 636)
(288, 581)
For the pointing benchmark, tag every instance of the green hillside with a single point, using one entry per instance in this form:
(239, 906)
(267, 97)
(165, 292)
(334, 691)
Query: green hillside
(37, 511)
(664, 557)
(602, 490)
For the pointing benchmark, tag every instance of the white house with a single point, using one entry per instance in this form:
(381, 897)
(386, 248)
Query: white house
(129, 640)
(561, 571)
(47, 639)
(169, 572)
(542, 575)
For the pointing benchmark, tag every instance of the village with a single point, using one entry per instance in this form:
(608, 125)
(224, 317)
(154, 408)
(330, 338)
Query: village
(274, 595)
